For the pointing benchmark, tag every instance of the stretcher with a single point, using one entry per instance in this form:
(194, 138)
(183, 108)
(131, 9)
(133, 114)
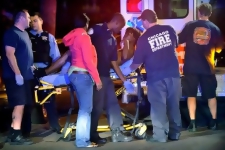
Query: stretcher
(59, 82)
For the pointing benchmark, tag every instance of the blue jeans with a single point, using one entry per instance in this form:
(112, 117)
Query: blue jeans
(83, 87)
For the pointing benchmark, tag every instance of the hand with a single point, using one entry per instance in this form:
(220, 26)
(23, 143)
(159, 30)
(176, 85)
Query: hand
(33, 68)
(19, 79)
(39, 72)
(99, 86)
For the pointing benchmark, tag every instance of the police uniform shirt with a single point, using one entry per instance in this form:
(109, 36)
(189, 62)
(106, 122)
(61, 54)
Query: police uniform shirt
(201, 38)
(54, 50)
(19, 40)
(156, 49)
(106, 47)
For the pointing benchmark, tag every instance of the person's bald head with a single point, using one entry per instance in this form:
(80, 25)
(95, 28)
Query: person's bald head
(117, 22)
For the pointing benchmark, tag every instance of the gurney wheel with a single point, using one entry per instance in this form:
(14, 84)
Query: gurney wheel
(140, 134)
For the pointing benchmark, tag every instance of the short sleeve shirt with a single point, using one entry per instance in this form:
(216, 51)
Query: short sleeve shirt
(201, 38)
(20, 40)
(156, 50)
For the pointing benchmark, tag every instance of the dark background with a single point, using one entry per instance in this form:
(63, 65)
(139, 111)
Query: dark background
(64, 11)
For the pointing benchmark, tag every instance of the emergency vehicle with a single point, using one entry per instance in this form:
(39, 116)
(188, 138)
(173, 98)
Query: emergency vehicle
(170, 12)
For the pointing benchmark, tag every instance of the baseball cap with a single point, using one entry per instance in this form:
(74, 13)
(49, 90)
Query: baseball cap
(148, 15)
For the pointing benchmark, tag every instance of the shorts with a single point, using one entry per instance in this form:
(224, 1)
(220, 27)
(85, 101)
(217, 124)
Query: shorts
(206, 83)
(18, 95)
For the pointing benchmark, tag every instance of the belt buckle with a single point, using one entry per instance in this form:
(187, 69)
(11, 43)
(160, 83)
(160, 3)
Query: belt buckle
(58, 90)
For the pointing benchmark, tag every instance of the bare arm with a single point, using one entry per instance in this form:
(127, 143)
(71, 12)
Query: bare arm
(128, 50)
(10, 54)
(119, 55)
(117, 70)
(126, 53)
(139, 55)
(59, 63)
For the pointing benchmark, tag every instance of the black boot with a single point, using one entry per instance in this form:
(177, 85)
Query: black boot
(8, 139)
(213, 125)
(18, 139)
(152, 139)
(174, 136)
(192, 126)
(98, 140)
(58, 130)
(118, 136)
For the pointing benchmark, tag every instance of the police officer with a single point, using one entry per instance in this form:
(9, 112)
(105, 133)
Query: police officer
(156, 49)
(106, 48)
(45, 51)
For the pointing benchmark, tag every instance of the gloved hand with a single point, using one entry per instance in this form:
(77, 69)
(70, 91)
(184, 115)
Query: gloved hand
(19, 79)
(39, 72)
(129, 87)
(33, 68)
(126, 71)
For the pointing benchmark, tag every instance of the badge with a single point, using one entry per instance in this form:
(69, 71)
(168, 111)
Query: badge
(45, 38)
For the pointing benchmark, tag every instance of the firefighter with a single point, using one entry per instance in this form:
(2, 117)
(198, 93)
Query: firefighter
(156, 50)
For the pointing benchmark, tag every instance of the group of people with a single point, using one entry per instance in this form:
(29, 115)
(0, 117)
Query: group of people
(156, 49)
(93, 52)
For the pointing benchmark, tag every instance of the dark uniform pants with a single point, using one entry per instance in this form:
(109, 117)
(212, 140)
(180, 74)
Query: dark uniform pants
(50, 106)
(164, 97)
(105, 99)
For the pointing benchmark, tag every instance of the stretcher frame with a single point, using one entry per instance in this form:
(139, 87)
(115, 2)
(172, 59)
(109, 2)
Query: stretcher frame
(137, 127)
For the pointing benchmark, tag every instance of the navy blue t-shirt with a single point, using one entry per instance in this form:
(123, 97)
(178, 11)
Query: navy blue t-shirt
(156, 49)
(20, 40)
(106, 47)
(201, 38)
